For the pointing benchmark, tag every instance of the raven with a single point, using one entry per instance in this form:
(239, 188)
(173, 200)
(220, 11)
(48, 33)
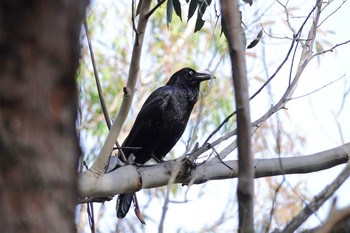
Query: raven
(161, 122)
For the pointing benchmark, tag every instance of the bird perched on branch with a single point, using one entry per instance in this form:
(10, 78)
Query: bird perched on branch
(161, 122)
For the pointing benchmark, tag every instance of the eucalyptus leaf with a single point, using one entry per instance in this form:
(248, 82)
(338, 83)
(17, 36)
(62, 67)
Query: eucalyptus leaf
(199, 23)
(250, 2)
(203, 4)
(192, 8)
(177, 8)
(169, 11)
(256, 40)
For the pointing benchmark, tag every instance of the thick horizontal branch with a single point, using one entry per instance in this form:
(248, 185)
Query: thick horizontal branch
(132, 178)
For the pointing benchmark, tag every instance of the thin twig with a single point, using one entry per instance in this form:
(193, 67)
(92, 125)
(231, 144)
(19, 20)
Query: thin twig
(98, 166)
(296, 38)
(318, 200)
(155, 8)
(345, 95)
(331, 49)
(292, 63)
(133, 16)
(97, 79)
(287, 15)
(274, 201)
(336, 219)
(217, 155)
(174, 174)
(90, 210)
(318, 89)
(219, 127)
(90, 205)
(340, 129)
(99, 87)
(333, 12)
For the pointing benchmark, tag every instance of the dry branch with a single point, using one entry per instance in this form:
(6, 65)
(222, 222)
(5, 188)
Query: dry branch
(245, 190)
(97, 167)
(336, 218)
(318, 201)
(131, 178)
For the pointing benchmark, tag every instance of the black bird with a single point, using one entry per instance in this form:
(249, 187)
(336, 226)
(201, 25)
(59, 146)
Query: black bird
(161, 122)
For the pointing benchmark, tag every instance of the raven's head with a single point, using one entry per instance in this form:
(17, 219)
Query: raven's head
(188, 77)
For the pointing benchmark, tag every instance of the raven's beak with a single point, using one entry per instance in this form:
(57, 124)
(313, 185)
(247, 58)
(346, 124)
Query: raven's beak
(203, 76)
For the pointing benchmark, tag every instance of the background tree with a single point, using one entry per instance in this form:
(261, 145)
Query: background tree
(39, 55)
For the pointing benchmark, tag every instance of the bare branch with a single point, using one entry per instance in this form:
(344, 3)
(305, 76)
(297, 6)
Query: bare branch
(320, 88)
(304, 60)
(333, 12)
(131, 178)
(133, 16)
(154, 8)
(272, 210)
(90, 205)
(331, 49)
(285, 7)
(220, 126)
(97, 79)
(336, 216)
(245, 189)
(296, 38)
(98, 84)
(177, 169)
(98, 165)
(345, 95)
(318, 200)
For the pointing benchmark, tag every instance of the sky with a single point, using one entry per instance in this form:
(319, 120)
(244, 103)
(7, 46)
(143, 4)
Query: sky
(313, 116)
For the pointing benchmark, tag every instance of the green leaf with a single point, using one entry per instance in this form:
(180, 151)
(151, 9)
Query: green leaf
(250, 2)
(201, 10)
(177, 8)
(199, 23)
(192, 9)
(169, 11)
(256, 40)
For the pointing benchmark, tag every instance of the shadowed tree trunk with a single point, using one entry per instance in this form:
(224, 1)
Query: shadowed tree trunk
(39, 55)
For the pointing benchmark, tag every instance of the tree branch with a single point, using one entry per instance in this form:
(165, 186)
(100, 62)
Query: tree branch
(296, 38)
(245, 189)
(97, 167)
(131, 178)
(330, 49)
(97, 79)
(336, 218)
(318, 200)
(287, 96)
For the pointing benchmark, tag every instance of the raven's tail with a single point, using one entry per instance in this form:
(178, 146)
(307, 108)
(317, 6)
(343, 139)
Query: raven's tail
(123, 204)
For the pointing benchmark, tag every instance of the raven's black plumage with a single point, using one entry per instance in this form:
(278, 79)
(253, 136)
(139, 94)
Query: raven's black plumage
(161, 122)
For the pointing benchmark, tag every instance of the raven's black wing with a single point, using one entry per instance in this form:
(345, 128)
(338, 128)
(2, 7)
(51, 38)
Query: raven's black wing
(148, 125)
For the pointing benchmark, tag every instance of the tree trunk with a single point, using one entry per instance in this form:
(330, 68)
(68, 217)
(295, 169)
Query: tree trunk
(39, 55)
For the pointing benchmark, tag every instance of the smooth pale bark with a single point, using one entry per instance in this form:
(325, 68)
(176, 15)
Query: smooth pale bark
(130, 178)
